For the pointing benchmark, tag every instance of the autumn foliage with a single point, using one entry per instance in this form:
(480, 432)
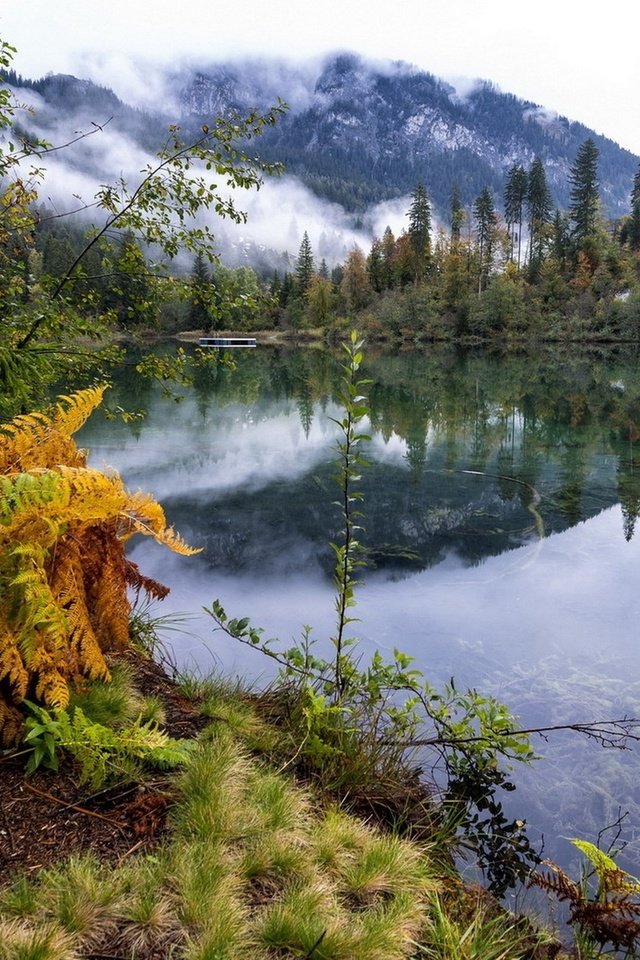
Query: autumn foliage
(63, 570)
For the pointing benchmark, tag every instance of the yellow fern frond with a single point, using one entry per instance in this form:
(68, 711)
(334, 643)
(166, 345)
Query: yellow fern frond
(52, 688)
(12, 669)
(29, 500)
(71, 412)
(63, 571)
(106, 586)
(141, 508)
(146, 516)
(28, 443)
(36, 440)
(39, 619)
(93, 496)
(83, 653)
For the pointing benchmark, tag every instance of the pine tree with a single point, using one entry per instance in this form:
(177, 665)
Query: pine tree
(199, 317)
(539, 207)
(355, 286)
(457, 214)
(375, 266)
(585, 198)
(515, 194)
(484, 212)
(420, 230)
(633, 229)
(388, 257)
(560, 239)
(305, 267)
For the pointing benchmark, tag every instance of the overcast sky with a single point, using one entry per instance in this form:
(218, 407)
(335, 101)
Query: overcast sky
(558, 53)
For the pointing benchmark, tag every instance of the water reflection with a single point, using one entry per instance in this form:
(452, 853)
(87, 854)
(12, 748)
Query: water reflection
(501, 503)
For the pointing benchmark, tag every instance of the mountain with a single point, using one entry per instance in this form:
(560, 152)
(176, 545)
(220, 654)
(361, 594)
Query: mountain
(358, 133)
(365, 133)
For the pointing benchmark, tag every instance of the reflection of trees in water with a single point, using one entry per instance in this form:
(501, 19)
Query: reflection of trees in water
(628, 474)
(540, 420)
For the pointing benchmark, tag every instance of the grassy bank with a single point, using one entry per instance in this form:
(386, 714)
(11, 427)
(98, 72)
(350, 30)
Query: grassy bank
(231, 854)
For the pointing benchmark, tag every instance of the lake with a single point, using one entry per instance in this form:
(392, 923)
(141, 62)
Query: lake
(501, 503)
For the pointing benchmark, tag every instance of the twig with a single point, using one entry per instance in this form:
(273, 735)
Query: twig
(132, 849)
(74, 806)
(309, 956)
(609, 733)
(100, 793)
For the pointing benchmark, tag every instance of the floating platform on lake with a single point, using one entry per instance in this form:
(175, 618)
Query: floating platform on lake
(227, 341)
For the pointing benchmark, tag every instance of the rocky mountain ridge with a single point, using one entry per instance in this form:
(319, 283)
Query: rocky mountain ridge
(358, 133)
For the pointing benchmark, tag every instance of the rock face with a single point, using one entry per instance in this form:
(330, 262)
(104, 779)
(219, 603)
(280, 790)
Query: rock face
(359, 132)
(379, 129)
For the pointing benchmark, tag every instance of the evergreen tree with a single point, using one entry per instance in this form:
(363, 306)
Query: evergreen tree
(515, 194)
(375, 266)
(388, 257)
(560, 239)
(200, 290)
(539, 207)
(420, 230)
(484, 213)
(286, 289)
(585, 198)
(457, 214)
(304, 265)
(633, 228)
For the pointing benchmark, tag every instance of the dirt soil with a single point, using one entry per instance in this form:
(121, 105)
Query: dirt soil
(50, 815)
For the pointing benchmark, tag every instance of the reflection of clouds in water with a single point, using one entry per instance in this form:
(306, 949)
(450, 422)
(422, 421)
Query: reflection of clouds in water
(281, 607)
(213, 455)
(393, 450)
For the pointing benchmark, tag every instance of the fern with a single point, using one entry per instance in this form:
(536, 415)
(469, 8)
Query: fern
(63, 572)
(611, 917)
(105, 754)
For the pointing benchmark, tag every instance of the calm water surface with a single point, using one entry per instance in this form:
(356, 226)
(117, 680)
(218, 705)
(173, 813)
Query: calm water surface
(500, 504)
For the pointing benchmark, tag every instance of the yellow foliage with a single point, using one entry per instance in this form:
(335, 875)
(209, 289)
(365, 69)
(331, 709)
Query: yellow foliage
(63, 571)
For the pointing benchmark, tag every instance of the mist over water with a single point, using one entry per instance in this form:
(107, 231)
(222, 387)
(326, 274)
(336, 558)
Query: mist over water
(500, 516)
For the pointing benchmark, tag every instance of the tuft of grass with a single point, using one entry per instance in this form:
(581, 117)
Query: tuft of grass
(20, 899)
(114, 704)
(223, 936)
(148, 919)
(297, 922)
(275, 861)
(384, 867)
(212, 805)
(82, 896)
(337, 837)
(279, 805)
(478, 937)
(20, 941)
(204, 881)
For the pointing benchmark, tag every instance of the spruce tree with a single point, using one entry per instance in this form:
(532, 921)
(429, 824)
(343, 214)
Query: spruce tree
(515, 194)
(199, 317)
(457, 214)
(420, 230)
(633, 229)
(484, 213)
(305, 267)
(585, 198)
(539, 209)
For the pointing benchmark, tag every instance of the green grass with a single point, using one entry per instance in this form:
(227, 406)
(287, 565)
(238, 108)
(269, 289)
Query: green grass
(253, 866)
